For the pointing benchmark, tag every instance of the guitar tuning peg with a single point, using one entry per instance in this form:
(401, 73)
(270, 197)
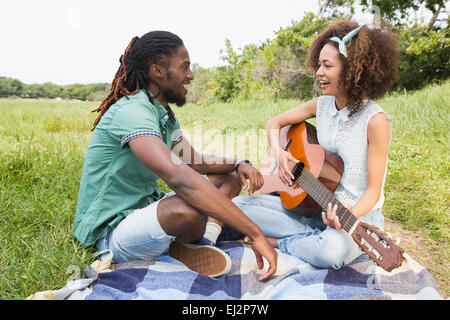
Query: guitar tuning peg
(389, 235)
(396, 240)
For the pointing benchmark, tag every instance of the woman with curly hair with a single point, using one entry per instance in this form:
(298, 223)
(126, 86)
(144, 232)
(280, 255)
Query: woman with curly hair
(355, 65)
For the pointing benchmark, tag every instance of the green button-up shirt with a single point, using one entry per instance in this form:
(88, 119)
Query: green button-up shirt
(114, 182)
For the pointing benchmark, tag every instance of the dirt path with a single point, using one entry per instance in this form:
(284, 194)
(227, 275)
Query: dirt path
(429, 255)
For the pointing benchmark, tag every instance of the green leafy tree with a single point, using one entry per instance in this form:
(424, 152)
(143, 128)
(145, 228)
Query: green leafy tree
(397, 11)
(33, 91)
(286, 56)
(425, 56)
(10, 87)
(227, 76)
(336, 7)
(51, 90)
(424, 45)
(202, 89)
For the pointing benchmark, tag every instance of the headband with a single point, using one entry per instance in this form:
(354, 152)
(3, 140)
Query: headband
(345, 40)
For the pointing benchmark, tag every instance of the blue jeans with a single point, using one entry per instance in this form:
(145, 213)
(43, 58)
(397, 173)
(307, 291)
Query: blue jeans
(308, 239)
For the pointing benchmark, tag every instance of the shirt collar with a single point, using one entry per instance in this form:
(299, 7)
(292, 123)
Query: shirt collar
(166, 111)
(339, 114)
(170, 114)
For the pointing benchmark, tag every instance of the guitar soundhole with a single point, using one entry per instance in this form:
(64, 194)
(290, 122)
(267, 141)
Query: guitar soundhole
(297, 171)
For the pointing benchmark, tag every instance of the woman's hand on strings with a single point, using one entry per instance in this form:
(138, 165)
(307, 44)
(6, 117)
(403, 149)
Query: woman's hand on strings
(330, 218)
(284, 169)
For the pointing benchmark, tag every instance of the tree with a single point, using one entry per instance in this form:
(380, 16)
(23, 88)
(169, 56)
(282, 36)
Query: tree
(10, 87)
(51, 90)
(425, 56)
(334, 4)
(33, 91)
(424, 46)
(396, 11)
(202, 90)
(286, 55)
(227, 76)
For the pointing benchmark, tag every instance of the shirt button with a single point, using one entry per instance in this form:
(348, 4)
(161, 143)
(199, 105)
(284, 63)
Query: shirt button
(166, 117)
(164, 132)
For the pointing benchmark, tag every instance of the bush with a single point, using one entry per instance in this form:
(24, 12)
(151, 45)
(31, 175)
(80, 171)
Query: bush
(203, 88)
(425, 56)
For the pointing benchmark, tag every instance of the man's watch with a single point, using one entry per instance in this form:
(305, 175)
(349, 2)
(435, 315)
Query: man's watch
(239, 162)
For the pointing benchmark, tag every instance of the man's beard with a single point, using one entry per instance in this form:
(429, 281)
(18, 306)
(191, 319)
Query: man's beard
(172, 97)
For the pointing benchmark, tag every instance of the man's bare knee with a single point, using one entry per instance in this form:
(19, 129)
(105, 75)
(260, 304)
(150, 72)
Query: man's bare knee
(228, 183)
(179, 219)
(193, 225)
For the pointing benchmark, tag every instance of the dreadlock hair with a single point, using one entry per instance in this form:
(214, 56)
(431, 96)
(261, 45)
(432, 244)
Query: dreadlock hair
(152, 48)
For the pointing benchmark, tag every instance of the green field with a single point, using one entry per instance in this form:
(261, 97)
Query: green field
(42, 147)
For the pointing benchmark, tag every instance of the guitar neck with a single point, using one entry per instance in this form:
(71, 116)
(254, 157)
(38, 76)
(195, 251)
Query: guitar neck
(316, 190)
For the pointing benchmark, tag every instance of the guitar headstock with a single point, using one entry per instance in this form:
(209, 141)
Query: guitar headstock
(378, 246)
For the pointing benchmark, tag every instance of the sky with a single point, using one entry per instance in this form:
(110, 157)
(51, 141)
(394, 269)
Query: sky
(80, 41)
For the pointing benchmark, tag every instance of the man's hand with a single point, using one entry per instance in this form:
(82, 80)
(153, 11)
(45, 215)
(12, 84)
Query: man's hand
(262, 248)
(247, 171)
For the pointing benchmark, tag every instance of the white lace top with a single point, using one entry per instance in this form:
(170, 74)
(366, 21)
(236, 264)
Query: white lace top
(347, 137)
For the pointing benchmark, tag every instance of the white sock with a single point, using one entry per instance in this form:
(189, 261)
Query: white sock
(212, 231)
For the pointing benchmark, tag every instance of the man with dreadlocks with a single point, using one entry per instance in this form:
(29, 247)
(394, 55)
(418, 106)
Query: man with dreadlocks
(120, 206)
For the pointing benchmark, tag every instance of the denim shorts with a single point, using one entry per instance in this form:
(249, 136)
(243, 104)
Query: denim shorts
(139, 236)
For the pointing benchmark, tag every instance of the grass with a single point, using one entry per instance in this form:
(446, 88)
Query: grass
(42, 147)
(419, 161)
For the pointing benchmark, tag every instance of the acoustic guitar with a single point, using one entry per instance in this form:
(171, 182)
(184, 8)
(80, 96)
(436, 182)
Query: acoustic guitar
(317, 174)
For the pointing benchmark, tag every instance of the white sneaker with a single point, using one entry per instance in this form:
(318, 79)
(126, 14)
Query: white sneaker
(206, 260)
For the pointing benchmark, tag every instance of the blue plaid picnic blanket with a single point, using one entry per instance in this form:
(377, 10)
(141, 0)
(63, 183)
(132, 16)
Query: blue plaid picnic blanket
(168, 279)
